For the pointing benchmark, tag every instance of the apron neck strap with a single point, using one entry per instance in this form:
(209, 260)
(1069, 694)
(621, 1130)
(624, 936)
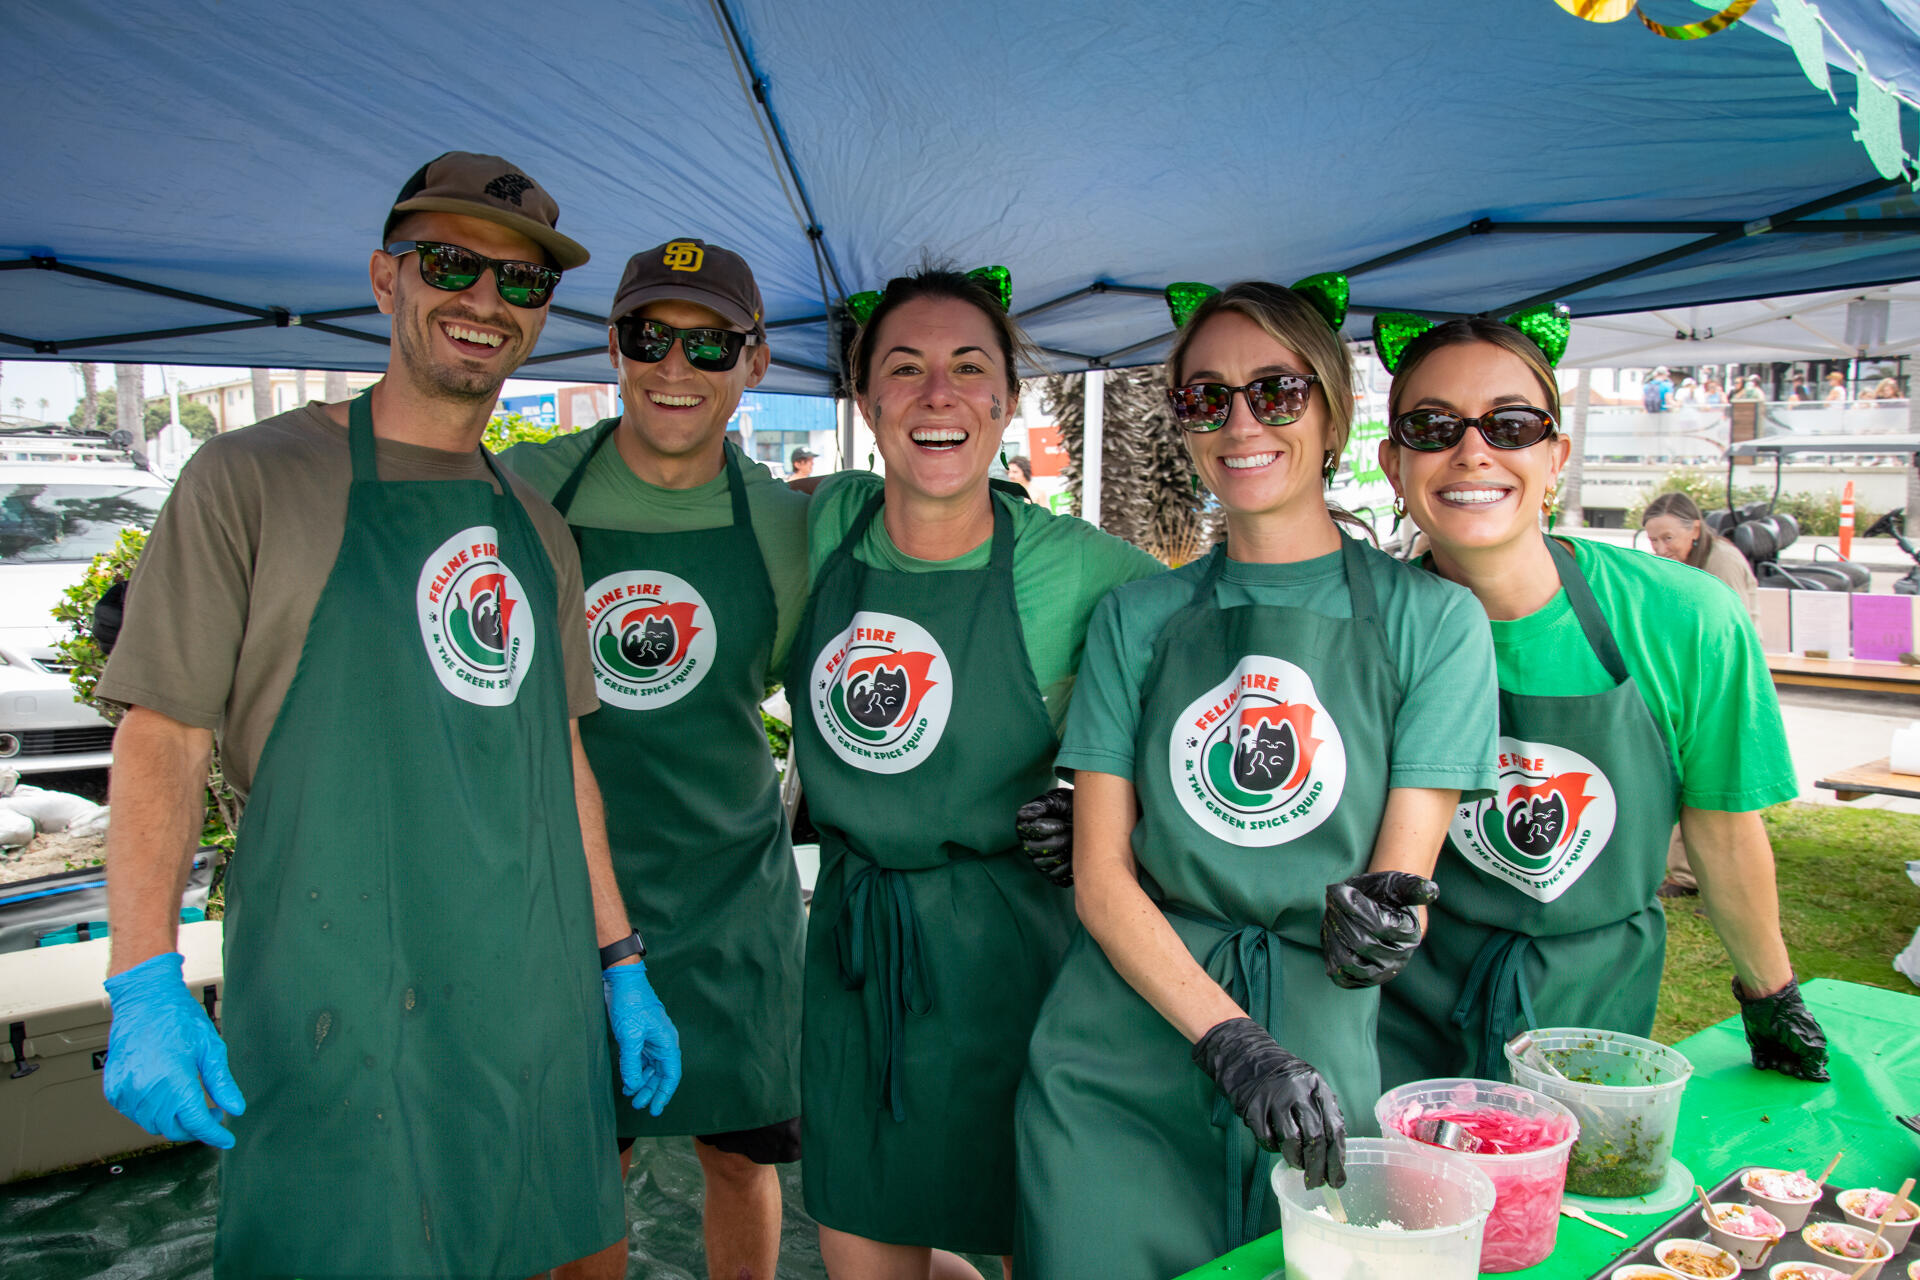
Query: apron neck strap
(1587, 610)
(360, 447)
(1359, 578)
(1000, 560)
(737, 487)
(360, 438)
(563, 499)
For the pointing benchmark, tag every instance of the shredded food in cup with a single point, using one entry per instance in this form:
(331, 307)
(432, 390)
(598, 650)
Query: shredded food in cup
(1697, 1261)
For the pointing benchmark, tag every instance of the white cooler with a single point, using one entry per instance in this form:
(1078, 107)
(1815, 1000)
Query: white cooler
(53, 1046)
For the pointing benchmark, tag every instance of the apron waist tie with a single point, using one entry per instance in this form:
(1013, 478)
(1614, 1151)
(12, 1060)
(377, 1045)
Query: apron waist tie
(1244, 964)
(877, 896)
(1497, 985)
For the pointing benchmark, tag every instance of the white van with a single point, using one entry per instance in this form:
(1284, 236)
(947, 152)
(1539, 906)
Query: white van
(64, 497)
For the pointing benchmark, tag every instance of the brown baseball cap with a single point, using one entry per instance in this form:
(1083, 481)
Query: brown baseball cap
(691, 271)
(490, 188)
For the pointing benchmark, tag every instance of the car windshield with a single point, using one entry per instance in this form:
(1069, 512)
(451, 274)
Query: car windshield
(40, 523)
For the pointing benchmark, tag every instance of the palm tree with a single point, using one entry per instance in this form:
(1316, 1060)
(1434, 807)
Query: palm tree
(130, 403)
(1147, 491)
(335, 387)
(262, 394)
(89, 395)
(1571, 515)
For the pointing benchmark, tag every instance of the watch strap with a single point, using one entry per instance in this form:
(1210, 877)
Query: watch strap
(620, 948)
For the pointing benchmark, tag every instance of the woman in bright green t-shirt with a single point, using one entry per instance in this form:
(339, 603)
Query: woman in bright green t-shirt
(1632, 692)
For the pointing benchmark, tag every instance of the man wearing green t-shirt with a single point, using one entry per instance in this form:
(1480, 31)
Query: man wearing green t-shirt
(694, 559)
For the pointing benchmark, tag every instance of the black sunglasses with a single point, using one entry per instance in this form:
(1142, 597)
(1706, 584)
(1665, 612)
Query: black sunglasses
(453, 268)
(1274, 401)
(712, 350)
(1431, 430)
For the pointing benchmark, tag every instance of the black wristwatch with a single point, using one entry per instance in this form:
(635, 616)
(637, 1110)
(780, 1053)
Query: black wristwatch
(620, 948)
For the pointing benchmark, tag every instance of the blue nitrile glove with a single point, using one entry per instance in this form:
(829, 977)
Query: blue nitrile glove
(649, 1046)
(164, 1059)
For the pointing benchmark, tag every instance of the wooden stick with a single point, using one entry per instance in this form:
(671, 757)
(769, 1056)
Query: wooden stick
(1899, 1199)
(1827, 1172)
(1706, 1206)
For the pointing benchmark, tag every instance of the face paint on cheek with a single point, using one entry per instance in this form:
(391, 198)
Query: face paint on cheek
(995, 415)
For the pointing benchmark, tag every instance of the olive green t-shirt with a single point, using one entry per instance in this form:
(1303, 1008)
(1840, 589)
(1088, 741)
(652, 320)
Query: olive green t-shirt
(1444, 735)
(217, 610)
(1690, 648)
(1062, 566)
(611, 496)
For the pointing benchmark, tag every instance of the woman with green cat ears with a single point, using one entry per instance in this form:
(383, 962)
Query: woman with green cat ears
(1267, 744)
(929, 678)
(1632, 692)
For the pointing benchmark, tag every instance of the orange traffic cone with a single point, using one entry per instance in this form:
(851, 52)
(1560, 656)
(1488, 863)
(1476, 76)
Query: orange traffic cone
(1846, 523)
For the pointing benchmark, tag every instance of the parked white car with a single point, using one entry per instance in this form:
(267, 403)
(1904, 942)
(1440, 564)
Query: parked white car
(64, 498)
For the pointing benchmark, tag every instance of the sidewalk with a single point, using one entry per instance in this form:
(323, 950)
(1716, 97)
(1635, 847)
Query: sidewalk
(1834, 730)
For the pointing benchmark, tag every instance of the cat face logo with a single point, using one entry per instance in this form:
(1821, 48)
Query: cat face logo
(881, 691)
(1550, 817)
(652, 637)
(1257, 760)
(474, 620)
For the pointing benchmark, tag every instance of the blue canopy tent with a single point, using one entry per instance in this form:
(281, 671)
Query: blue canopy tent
(200, 182)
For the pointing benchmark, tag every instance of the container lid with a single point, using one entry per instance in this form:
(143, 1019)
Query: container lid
(60, 979)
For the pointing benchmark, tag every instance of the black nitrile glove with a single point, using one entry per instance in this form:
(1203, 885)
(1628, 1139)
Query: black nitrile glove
(1284, 1101)
(1045, 827)
(1782, 1033)
(1370, 929)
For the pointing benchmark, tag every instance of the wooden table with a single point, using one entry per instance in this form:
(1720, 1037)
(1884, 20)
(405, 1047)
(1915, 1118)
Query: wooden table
(1844, 673)
(1871, 779)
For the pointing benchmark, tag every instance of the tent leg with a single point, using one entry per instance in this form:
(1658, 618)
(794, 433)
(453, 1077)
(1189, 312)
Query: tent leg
(1092, 444)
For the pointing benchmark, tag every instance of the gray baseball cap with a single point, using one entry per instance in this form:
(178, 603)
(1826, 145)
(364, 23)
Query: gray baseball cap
(691, 271)
(486, 187)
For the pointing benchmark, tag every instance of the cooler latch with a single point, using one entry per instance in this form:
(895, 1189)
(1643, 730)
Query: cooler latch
(17, 1038)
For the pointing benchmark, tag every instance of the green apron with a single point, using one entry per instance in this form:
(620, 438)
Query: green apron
(413, 1000)
(920, 730)
(1527, 933)
(681, 626)
(1261, 766)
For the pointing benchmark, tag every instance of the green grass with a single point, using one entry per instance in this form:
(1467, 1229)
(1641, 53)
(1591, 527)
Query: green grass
(1846, 907)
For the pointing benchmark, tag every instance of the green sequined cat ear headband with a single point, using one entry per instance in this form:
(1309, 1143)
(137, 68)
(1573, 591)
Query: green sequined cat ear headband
(1327, 292)
(1547, 326)
(997, 281)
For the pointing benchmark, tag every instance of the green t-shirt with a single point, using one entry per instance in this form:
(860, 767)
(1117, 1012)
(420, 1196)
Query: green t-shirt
(1691, 649)
(1062, 566)
(612, 497)
(1444, 735)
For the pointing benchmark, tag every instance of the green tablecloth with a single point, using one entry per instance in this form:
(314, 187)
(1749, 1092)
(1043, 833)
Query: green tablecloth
(1733, 1115)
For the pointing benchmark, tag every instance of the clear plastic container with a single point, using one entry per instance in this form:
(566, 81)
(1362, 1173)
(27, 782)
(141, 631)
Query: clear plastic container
(1526, 1185)
(1625, 1092)
(1411, 1210)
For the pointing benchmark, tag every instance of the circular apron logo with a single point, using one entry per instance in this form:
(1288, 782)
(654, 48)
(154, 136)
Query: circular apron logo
(1257, 760)
(881, 692)
(1551, 814)
(652, 637)
(474, 618)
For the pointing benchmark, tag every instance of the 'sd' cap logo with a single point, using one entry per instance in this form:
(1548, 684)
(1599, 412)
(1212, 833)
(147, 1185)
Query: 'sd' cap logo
(1257, 760)
(683, 255)
(474, 620)
(652, 637)
(1552, 814)
(881, 692)
(509, 186)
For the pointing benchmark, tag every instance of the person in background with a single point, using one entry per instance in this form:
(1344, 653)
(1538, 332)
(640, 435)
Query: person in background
(1836, 388)
(1632, 691)
(696, 565)
(1686, 395)
(1267, 745)
(1887, 389)
(928, 681)
(1751, 389)
(800, 463)
(1676, 531)
(1712, 393)
(1800, 392)
(1020, 472)
(383, 628)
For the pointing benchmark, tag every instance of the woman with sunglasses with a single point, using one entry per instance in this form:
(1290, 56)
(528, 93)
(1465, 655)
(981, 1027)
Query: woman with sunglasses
(1267, 745)
(928, 678)
(1631, 691)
